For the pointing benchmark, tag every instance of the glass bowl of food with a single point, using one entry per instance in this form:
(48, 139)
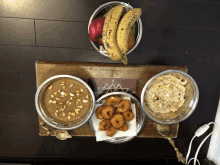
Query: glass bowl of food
(169, 97)
(64, 102)
(97, 22)
(138, 115)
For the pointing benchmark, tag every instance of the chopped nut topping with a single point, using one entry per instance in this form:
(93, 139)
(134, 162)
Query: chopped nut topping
(64, 87)
(71, 94)
(50, 101)
(57, 98)
(81, 90)
(69, 113)
(78, 100)
(64, 106)
(70, 103)
(77, 91)
(87, 96)
(67, 102)
(62, 93)
(54, 102)
(55, 114)
(52, 96)
(85, 101)
(61, 109)
(80, 106)
(71, 85)
(50, 87)
(63, 82)
(78, 117)
(77, 111)
(65, 94)
(73, 114)
(77, 94)
(61, 102)
(57, 111)
(112, 97)
(71, 98)
(58, 91)
(62, 96)
(69, 117)
(63, 114)
(55, 93)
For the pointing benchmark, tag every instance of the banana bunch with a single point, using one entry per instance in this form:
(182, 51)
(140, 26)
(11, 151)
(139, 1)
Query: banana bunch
(115, 38)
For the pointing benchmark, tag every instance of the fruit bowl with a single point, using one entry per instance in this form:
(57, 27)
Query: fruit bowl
(102, 10)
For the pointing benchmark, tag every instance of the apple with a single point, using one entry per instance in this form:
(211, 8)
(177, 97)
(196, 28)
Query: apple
(95, 30)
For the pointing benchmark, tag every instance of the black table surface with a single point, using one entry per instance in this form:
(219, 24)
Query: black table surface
(175, 32)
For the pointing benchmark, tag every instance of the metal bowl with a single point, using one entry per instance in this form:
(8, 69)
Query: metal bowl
(111, 4)
(140, 116)
(39, 103)
(191, 100)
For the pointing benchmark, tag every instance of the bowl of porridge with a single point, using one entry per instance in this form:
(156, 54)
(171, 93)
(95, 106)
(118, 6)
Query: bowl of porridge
(64, 102)
(169, 97)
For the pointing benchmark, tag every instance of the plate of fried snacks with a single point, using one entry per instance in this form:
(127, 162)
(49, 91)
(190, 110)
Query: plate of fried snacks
(118, 117)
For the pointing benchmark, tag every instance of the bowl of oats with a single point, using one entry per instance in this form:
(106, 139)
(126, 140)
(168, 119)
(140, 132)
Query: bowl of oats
(170, 97)
(64, 102)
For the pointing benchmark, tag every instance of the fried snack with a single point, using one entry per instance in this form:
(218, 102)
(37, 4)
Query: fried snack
(111, 131)
(104, 125)
(113, 100)
(117, 112)
(117, 120)
(124, 127)
(108, 112)
(124, 106)
(128, 116)
(99, 112)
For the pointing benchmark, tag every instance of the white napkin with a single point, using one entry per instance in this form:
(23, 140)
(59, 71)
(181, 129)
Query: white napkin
(101, 135)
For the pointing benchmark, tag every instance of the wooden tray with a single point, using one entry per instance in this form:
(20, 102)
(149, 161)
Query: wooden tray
(47, 69)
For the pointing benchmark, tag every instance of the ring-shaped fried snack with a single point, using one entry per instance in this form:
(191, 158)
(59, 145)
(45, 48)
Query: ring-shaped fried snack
(128, 116)
(117, 120)
(111, 131)
(117, 112)
(124, 106)
(108, 112)
(124, 127)
(99, 112)
(104, 125)
(113, 100)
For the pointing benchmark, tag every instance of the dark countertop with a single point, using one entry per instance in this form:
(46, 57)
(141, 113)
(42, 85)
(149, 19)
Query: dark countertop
(175, 32)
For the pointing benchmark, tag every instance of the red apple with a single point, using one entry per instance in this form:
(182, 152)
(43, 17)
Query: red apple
(95, 29)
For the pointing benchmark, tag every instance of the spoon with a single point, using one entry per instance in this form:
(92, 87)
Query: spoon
(60, 134)
(164, 130)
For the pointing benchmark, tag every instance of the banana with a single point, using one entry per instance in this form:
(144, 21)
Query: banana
(109, 33)
(124, 29)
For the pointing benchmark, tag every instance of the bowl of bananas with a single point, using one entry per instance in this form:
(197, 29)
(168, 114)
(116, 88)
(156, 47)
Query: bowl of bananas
(115, 30)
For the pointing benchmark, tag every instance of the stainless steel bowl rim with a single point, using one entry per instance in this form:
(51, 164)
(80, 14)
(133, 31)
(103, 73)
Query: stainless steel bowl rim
(128, 138)
(165, 72)
(119, 3)
(63, 76)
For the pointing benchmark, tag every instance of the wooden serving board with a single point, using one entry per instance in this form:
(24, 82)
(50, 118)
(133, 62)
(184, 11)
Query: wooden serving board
(85, 71)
